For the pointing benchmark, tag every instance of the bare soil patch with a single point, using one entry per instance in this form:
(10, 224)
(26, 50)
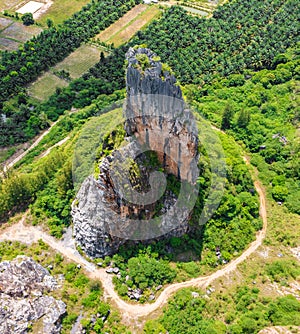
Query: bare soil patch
(30, 7)
(123, 21)
(4, 22)
(8, 44)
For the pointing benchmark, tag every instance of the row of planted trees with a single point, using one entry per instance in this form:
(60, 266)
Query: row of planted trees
(241, 34)
(21, 67)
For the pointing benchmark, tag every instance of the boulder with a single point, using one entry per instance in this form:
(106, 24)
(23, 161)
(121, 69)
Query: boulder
(22, 286)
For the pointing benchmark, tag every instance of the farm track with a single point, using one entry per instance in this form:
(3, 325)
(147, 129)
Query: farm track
(32, 146)
(131, 312)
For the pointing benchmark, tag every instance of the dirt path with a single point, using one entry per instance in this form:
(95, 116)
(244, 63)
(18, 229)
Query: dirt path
(22, 155)
(130, 312)
(55, 145)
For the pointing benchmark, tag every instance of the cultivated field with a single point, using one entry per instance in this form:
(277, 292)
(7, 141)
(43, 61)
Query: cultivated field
(60, 10)
(30, 7)
(4, 23)
(123, 29)
(9, 4)
(13, 33)
(20, 32)
(45, 86)
(122, 22)
(79, 61)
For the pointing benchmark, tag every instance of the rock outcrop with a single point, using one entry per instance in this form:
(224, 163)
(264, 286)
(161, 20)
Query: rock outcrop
(22, 300)
(121, 204)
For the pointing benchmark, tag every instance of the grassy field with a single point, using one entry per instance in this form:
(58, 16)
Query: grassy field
(60, 10)
(122, 30)
(79, 61)
(8, 4)
(45, 86)
(13, 33)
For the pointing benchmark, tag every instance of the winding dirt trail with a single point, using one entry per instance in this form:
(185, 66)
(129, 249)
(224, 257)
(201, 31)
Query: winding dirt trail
(130, 312)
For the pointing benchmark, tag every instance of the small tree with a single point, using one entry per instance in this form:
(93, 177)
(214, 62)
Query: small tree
(27, 19)
(243, 119)
(227, 117)
(49, 23)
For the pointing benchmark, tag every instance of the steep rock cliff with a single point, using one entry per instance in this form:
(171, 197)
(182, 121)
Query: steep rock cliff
(121, 204)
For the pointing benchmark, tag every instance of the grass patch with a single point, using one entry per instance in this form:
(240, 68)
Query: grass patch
(45, 86)
(20, 32)
(6, 153)
(8, 4)
(60, 10)
(79, 61)
(121, 31)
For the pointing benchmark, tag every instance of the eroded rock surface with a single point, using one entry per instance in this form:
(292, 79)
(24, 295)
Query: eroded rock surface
(121, 204)
(23, 283)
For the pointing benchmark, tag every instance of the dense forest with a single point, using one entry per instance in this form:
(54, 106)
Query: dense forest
(249, 33)
(263, 112)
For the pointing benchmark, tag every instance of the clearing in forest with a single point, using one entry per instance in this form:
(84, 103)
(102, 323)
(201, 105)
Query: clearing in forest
(128, 25)
(60, 10)
(45, 86)
(79, 61)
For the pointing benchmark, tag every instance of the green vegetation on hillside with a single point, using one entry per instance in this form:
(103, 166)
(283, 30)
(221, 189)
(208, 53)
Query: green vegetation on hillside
(82, 295)
(263, 113)
(243, 310)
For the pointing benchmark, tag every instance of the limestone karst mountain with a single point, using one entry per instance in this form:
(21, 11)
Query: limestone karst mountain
(161, 140)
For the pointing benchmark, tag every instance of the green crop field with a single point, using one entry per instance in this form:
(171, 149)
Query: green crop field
(122, 30)
(45, 86)
(79, 61)
(60, 10)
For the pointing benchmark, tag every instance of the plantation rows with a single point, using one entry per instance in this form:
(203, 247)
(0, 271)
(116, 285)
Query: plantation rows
(20, 67)
(240, 35)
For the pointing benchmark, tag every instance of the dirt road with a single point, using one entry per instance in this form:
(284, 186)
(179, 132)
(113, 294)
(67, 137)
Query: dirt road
(130, 312)
(22, 155)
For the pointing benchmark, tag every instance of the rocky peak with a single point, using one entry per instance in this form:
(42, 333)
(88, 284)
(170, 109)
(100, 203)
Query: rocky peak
(120, 204)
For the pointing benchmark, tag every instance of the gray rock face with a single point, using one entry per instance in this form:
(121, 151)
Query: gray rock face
(22, 284)
(114, 208)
